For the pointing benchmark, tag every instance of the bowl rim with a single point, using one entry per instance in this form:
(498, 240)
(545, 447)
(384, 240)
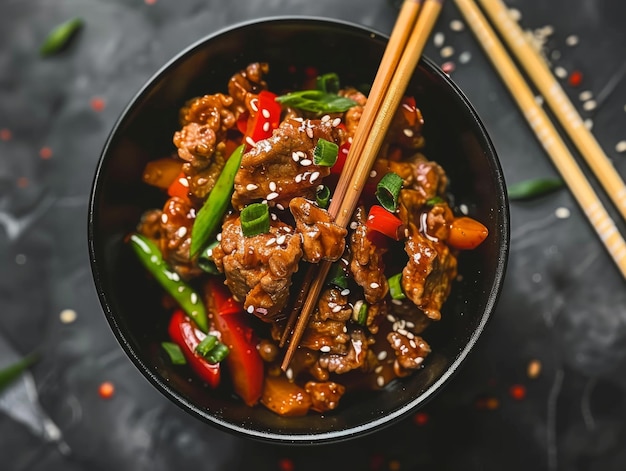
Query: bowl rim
(306, 438)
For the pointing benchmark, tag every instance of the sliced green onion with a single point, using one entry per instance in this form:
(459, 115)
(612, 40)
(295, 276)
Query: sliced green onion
(205, 260)
(210, 215)
(174, 352)
(316, 101)
(11, 372)
(395, 286)
(208, 343)
(533, 188)
(359, 312)
(255, 219)
(328, 83)
(387, 191)
(322, 197)
(60, 36)
(434, 200)
(325, 153)
(338, 276)
(218, 353)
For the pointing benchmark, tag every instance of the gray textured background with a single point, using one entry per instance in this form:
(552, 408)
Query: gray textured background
(564, 303)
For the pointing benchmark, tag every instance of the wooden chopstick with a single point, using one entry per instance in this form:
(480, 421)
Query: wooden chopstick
(546, 133)
(385, 99)
(539, 72)
(388, 65)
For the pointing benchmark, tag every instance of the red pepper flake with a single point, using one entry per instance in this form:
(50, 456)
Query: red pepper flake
(106, 390)
(448, 67)
(5, 134)
(45, 153)
(575, 78)
(22, 182)
(421, 418)
(286, 464)
(97, 104)
(517, 392)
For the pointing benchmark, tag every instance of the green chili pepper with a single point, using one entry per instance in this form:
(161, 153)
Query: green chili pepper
(316, 101)
(533, 188)
(205, 259)
(150, 256)
(13, 371)
(210, 215)
(59, 37)
(174, 352)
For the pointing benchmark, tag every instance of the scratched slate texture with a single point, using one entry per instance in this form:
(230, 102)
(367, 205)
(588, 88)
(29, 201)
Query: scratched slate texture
(563, 304)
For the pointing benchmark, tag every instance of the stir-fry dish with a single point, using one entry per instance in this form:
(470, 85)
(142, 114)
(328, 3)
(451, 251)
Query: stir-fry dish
(244, 218)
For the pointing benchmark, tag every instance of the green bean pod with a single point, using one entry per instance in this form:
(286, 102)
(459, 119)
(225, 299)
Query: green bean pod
(151, 258)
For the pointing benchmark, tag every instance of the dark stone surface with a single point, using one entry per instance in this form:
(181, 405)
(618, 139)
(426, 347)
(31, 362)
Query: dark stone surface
(564, 302)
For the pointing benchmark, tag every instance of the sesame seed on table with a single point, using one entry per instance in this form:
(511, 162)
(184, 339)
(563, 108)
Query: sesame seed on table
(544, 386)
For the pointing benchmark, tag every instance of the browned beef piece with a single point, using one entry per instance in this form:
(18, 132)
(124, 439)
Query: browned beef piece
(326, 330)
(322, 239)
(404, 134)
(366, 263)
(246, 84)
(174, 235)
(325, 395)
(202, 181)
(211, 110)
(408, 316)
(150, 224)
(354, 359)
(421, 175)
(410, 351)
(281, 167)
(258, 269)
(353, 115)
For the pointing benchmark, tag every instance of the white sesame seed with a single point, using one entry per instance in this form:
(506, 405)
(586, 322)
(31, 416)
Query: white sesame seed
(562, 213)
(457, 25)
(586, 95)
(280, 206)
(407, 132)
(272, 186)
(253, 105)
(336, 122)
(184, 182)
(374, 285)
(295, 156)
(439, 39)
(331, 304)
(382, 355)
(325, 349)
(571, 40)
(265, 113)
(410, 324)
(180, 289)
(67, 316)
(390, 318)
(250, 309)
(251, 187)
(464, 209)
(397, 302)
(380, 381)
(305, 162)
(353, 225)
(560, 72)
(164, 218)
(325, 118)
(250, 141)
(182, 231)
(465, 57)
(289, 374)
(219, 237)
(174, 276)
(410, 335)
(270, 242)
(590, 105)
(309, 132)
(447, 51)
(588, 123)
(266, 126)
(515, 14)
(273, 216)
(402, 331)
(193, 298)
(272, 196)
(287, 229)
(314, 176)
(539, 100)
(620, 146)
(373, 173)
(419, 360)
(412, 343)
(281, 239)
(345, 292)
(298, 178)
(378, 369)
(337, 309)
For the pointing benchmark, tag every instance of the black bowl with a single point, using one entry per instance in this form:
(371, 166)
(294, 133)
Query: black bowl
(455, 138)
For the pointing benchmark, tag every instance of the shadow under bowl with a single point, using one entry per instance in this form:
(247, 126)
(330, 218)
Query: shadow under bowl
(455, 138)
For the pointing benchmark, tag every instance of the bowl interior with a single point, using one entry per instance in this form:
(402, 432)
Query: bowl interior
(455, 138)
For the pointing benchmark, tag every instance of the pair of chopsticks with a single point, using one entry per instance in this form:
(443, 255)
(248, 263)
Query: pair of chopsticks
(404, 49)
(538, 71)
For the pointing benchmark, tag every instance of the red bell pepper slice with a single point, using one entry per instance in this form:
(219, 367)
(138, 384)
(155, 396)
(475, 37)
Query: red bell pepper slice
(381, 220)
(244, 361)
(179, 187)
(261, 124)
(184, 333)
(341, 158)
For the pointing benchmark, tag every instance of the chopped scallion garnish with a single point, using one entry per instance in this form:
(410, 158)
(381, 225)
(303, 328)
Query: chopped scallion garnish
(325, 153)
(328, 83)
(528, 189)
(174, 352)
(322, 197)
(208, 343)
(218, 353)
(434, 200)
(388, 190)
(60, 36)
(255, 219)
(205, 260)
(338, 276)
(359, 312)
(395, 286)
(316, 101)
